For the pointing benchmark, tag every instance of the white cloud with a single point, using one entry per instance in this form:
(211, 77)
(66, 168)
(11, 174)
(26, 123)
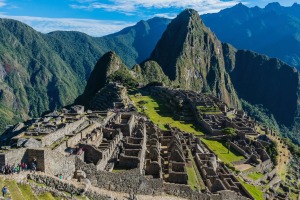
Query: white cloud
(88, 26)
(2, 3)
(202, 6)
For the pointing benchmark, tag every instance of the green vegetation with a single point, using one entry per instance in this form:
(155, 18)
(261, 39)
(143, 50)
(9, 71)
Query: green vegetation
(209, 110)
(47, 71)
(157, 111)
(221, 150)
(255, 175)
(14, 190)
(46, 196)
(27, 192)
(150, 72)
(192, 178)
(193, 173)
(261, 114)
(254, 191)
(124, 77)
(272, 151)
(291, 140)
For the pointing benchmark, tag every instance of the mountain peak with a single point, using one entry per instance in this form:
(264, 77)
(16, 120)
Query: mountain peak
(272, 6)
(107, 65)
(191, 56)
(239, 6)
(188, 14)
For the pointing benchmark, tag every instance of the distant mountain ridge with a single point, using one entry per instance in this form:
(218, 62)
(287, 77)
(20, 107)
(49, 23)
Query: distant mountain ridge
(273, 30)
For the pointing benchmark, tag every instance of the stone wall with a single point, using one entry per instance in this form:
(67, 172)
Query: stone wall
(183, 191)
(127, 127)
(39, 156)
(74, 140)
(55, 185)
(56, 135)
(126, 181)
(13, 157)
(239, 149)
(132, 180)
(57, 163)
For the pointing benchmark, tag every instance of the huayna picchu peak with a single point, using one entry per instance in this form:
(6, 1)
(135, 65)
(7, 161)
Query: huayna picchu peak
(192, 57)
(159, 110)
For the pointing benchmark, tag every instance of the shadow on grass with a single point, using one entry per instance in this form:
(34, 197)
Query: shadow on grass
(164, 111)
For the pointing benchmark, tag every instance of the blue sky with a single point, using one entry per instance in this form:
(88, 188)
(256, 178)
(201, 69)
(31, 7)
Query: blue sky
(102, 17)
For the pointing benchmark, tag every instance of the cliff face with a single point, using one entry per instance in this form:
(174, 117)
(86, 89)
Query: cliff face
(192, 57)
(265, 81)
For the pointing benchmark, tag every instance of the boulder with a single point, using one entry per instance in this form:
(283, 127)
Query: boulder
(32, 143)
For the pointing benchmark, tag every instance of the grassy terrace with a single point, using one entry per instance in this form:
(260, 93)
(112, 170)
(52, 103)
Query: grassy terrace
(255, 175)
(256, 192)
(220, 149)
(158, 112)
(194, 178)
(18, 191)
(209, 110)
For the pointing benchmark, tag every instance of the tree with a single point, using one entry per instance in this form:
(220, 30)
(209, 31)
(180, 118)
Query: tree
(230, 134)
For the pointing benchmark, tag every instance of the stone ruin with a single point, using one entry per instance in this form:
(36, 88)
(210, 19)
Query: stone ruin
(121, 150)
(212, 115)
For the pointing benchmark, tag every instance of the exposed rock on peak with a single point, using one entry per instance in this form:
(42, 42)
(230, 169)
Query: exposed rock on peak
(191, 56)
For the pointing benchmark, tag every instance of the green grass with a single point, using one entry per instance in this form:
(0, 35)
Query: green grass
(13, 190)
(195, 176)
(209, 110)
(192, 178)
(158, 112)
(27, 192)
(46, 196)
(293, 196)
(254, 191)
(220, 149)
(255, 175)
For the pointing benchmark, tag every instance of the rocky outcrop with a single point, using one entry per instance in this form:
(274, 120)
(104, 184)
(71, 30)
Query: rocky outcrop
(266, 81)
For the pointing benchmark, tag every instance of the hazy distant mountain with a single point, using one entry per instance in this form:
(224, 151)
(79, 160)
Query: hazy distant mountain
(273, 30)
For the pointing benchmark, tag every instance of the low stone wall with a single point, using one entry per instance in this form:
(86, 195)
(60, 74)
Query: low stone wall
(55, 185)
(129, 180)
(184, 191)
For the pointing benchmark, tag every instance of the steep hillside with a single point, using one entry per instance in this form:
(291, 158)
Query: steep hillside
(191, 56)
(40, 72)
(34, 77)
(149, 72)
(267, 82)
(108, 68)
(273, 30)
(135, 44)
